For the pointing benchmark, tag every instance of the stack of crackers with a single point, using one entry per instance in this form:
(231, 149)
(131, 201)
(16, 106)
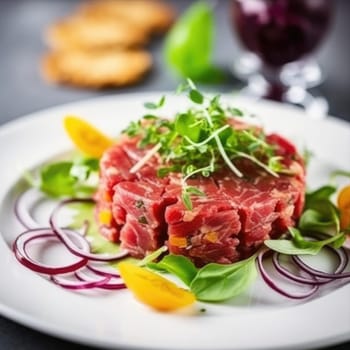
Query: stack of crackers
(103, 43)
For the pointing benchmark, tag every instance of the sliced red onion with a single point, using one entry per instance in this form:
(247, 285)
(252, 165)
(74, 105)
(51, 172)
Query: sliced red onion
(61, 234)
(318, 273)
(24, 204)
(293, 277)
(81, 276)
(79, 285)
(99, 271)
(20, 248)
(269, 281)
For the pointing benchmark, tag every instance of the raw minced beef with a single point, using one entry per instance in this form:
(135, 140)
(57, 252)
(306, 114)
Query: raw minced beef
(144, 212)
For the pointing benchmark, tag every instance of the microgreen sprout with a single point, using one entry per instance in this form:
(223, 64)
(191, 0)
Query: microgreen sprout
(202, 140)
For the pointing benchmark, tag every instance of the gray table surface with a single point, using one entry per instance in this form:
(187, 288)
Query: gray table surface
(22, 91)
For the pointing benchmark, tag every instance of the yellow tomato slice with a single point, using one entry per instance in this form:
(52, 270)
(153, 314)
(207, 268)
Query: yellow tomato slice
(344, 198)
(154, 290)
(86, 137)
(345, 218)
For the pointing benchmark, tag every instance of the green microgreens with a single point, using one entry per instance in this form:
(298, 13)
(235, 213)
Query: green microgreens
(152, 105)
(202, 140)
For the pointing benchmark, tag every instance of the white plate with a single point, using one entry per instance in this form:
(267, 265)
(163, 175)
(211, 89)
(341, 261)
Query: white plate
(259, 320)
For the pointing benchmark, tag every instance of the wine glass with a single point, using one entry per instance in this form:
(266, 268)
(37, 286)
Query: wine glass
(280, 36)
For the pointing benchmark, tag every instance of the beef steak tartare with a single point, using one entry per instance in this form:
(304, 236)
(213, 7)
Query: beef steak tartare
(227, 222)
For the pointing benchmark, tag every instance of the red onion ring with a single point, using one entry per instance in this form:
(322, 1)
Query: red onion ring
(70, 245)
(108, 285)
(293, 277)
(78, 285)
(100, 272)
(268, 280)
(318, 273)
(24, 202)
(21, 252)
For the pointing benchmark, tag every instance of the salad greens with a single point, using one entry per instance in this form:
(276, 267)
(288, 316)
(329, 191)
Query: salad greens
(213, 282)
(320, 215)
(69, 178)
(189, 45)
(203, 135)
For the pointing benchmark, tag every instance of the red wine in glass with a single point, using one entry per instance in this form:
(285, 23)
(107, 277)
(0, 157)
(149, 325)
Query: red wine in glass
(280, 32)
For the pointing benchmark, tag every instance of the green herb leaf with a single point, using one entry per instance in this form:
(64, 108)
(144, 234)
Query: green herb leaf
(179, 266)
(186, 200)
(216, 282)
(195, 191)
(235, 112)
(152, 105)
(300, 246)
(322, 193)
(63, 179)
(152, 256)
(187, 125)
(196, 96)
(189, 44)
(339, 172)
(288, 247)
(321, 216)
(56, 179)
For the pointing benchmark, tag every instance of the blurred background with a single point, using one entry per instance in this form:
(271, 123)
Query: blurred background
(59, 51)
(30, 29)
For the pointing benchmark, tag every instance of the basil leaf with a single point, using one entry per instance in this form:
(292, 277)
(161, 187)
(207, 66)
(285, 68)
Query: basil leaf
(301, 246)
(216, 282)
(69, 178)
(322, 193)
(288, 247)
(178, 265)
(56, 179)
(321, 216)
(189, 44)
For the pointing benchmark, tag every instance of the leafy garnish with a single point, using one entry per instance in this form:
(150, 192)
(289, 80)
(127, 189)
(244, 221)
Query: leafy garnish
(300, 246)
(178, 265)
(218, 282)
(213, 282)
(152, 256)
(69, 178)
(202, 141)
(152, 105)
(189, 45)
(320, 215)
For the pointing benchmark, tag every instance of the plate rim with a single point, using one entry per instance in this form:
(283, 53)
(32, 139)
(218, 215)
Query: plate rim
(28, 118)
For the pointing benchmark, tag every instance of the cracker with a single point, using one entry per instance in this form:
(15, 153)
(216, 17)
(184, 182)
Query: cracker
(152, 16)
(96, 69)
(94, 32)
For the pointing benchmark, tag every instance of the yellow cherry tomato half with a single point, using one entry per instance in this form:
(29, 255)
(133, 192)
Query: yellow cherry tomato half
(345, 218)
(153, 289)
(344, 198)
(86, 137)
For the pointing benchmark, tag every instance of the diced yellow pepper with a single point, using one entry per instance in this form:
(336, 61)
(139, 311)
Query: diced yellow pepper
(211, 237)
(153, 289)
(86, 137)
(105, 217)
(180, 242)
